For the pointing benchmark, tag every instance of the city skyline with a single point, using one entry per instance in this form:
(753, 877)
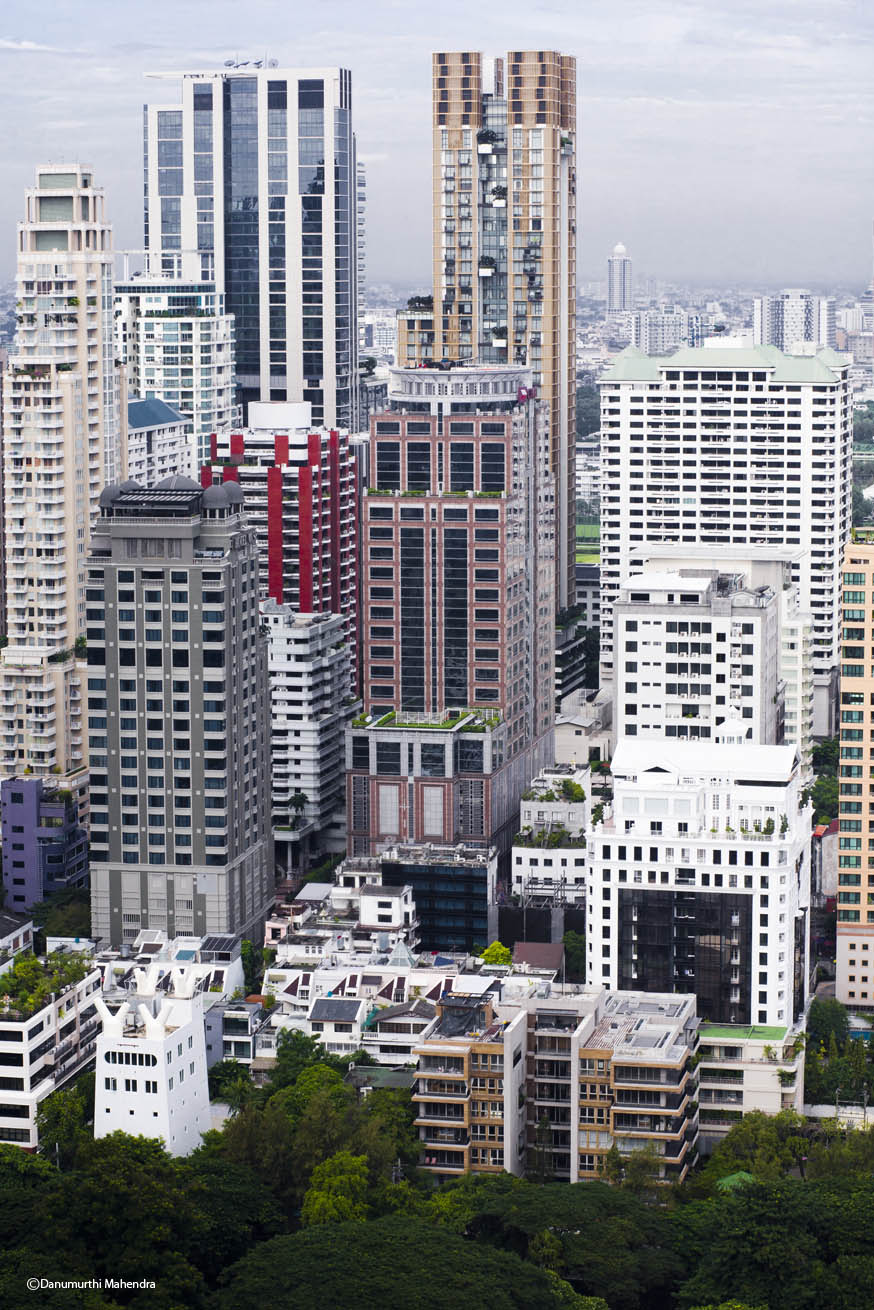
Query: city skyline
(715, 176)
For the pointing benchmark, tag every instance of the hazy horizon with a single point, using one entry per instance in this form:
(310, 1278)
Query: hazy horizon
(723, 145)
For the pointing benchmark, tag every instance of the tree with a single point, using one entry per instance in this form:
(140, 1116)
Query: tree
(827, 1018)
(825, 799)
(368, 366)
(826, 755)
(396, 1263)
(588, 411)
(64, 914)
(62, 1124)
(337, 1192)
(253, 967)
(591, 657)
(862, 507)
(497, 954)
(223, 1075)
(574, 956)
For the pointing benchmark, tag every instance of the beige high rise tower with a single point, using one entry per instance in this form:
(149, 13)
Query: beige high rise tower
(854, 968)
(64, 439)
(504, 248)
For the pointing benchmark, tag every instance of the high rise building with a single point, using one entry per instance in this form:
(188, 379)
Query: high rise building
(791, 317)
(309, 694)
(504, 256)
(178, 715)
(177, 345)
(158, 443)
(620, 283)
(64, 437)
(854, 970)
(731, 446)
(748, 661)
(256, 171)
(662, 331)
(299, 485)
(699, 878)
(457, 615)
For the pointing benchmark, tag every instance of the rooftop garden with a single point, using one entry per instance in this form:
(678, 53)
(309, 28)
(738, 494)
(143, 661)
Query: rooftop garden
(550, 839)
(566, 790)
(32, 980)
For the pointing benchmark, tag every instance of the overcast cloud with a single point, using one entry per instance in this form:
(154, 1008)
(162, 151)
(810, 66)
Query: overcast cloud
(724, 140)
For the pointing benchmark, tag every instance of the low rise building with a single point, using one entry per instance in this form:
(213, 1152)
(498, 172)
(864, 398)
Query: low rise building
(48, 1034)
(232, 1030)
(16, 935)
(151, 1068)
(744, 1069)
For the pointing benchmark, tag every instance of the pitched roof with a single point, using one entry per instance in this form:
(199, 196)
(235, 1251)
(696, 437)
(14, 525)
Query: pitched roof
(151, 413)
(331, 1009)
(539, 955)
(415, 1009)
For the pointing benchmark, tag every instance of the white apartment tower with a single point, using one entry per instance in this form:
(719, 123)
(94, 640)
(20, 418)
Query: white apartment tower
(308, 662)
(730, 446)
(699, 878)
(151, 1066)
(620, 285)
(64, 438)
(177, 345)
(713, 643)
(793, 316)
(256, 171)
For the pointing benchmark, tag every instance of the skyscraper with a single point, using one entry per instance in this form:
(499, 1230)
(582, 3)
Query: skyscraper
(64, 437)
(457, 615)
(178, 715)
(793, 316)
(504, 222)
(256, 171)
(620, 286)
(300, 493)
(731, 446)
(854, 967)
(177, 344)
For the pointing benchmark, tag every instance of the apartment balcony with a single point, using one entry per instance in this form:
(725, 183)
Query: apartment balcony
(428, 1088)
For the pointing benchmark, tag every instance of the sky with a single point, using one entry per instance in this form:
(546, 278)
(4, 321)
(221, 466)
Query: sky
(725, 142)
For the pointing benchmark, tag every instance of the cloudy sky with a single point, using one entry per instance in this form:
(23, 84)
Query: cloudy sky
(721, 140)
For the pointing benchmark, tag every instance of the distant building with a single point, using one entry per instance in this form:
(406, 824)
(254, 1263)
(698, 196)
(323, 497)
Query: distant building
(661, 331)
(620, 286)
(45, 848)
(158, 444)
(791, 317)
(151, 1069)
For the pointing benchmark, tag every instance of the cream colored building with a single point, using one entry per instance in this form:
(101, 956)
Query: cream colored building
(854, 979)
(64, 440)
(504, 253)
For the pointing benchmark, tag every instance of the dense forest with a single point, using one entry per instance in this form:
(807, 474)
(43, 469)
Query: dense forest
(309, 1198)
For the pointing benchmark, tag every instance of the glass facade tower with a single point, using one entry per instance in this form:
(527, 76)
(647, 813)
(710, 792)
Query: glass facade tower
(256, 173)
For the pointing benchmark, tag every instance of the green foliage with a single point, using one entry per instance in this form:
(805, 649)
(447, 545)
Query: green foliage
(497, 954)
(224, 1075)
(827, 1017)
(766, 1146)
(64, 914)
(826, 755)
(396, 1263)
(863, 424)
(27, 986)
(824, 794)
(574, 956)
(337, 1192)
(591, 657)
(253, 967)
(588, 411)
(63, 1119)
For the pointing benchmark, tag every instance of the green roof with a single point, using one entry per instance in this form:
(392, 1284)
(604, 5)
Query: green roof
(738, 1032)
(632, 365)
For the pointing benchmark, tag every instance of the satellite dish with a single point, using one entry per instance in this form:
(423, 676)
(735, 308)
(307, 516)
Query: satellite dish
(229, 63)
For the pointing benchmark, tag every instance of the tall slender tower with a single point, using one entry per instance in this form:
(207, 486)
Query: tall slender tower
(620, 287)
(256, 171)
(64, 439)
(504, 185)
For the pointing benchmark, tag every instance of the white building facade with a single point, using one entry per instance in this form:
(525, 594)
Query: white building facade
(699, 877)
(730, 446)
(176, 343)
(157, 442)
(151, 1069)
(793, 316)
(620, 285)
